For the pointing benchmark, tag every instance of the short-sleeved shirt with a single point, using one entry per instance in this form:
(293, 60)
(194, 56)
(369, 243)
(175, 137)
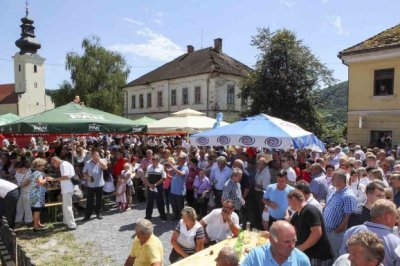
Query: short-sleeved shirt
(360, 216)
(67, 169)
(262, 256)
(342, 203)
(390, 240)
(178, 183)
(216, 229)
(187, 237)
(148, 253)
(233, 192)
(93, 169)
(154, 174)
(319, 187)
(280, 198)
(309, 217)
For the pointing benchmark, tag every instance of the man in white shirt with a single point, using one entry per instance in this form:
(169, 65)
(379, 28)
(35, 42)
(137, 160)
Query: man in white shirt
(291, 174)
(221, 223)
(9, 195)
(67, 190)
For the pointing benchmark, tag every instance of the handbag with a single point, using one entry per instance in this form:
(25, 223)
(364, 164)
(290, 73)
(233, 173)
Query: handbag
(76, 180)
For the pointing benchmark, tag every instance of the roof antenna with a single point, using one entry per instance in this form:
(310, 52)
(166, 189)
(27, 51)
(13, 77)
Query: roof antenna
(26, 8)
(201, 39)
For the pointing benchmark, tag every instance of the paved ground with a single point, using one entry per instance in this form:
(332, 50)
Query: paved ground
(113, 234)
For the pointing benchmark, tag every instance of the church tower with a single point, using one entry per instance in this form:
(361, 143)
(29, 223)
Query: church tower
(29, 72)
(28, 65)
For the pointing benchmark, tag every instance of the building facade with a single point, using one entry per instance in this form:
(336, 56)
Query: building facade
(374, 90)
(206, 80)
(27, 95)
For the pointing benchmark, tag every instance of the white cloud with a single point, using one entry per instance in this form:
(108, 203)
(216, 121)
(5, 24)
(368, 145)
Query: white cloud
(133, 21)
(336, 21)
(157, 47)
(288, 3)
(158, 21)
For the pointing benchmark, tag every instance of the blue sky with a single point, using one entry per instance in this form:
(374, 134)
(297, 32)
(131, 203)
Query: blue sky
(150, 33)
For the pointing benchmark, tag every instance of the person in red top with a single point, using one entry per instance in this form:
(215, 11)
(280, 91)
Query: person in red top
(119, 163)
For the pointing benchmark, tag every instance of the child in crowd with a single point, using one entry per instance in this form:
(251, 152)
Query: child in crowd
(22, 177)
(121, 193)
(128, 175)
(265, 218)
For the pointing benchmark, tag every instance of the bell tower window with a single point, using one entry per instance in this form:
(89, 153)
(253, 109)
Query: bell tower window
(34, 69)
(19, 68)
(35, 85)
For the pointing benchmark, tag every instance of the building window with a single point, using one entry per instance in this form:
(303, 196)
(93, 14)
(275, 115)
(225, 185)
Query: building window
(35, 85)
(197, 95)
(185, 96)
(133, 102)
(244, 101)
(148, 100)
(381, 139)
(231, 94)
(159, 99)
(141, 101)
(19, 68)
(34, 69)
(173, 97)
(384, 82)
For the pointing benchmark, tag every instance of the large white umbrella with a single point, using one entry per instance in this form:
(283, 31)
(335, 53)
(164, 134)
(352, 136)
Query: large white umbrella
(185, 121)
(258, 131)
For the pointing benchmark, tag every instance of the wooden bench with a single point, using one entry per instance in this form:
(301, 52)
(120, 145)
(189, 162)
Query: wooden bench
(53, 208)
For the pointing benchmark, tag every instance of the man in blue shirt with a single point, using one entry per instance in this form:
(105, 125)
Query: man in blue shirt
(318, 185)
(338, 209)
(178, 185)
(280, 250)
(275, 197)
(383, 219)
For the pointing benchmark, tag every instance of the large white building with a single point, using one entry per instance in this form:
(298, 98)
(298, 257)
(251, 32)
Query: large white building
(27, 95)
(206, 80)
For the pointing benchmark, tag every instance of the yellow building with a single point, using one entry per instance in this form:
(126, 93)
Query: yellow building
(374, 90)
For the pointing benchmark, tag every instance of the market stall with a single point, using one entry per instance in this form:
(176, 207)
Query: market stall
(258, 131)
(71, 119)
(186, 121)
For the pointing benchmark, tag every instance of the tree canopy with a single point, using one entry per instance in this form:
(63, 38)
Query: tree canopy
(286, 79)
(97, 77)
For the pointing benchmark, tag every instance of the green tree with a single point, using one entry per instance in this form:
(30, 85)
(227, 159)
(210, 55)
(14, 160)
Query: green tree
(97, 77)
(286, 79)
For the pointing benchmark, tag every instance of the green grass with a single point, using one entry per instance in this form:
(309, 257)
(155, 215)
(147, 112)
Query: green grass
(56, 246)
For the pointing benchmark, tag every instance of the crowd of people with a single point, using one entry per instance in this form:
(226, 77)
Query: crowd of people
(333, 207)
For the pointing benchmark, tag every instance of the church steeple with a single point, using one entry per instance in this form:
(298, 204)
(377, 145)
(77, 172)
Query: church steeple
(27, 43)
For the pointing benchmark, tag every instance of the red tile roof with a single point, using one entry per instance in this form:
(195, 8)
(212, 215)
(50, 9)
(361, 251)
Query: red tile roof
(7, 94)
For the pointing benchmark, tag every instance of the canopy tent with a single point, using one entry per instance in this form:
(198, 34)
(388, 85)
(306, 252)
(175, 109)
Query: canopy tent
(73, 119)
(258, 131)
(184, 121)
(8, 118)
(144, 121)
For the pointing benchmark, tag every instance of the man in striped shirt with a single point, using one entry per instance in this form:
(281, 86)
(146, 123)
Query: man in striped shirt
(338, 210)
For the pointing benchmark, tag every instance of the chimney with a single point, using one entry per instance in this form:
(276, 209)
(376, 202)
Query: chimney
(190, 49)
(218, 45)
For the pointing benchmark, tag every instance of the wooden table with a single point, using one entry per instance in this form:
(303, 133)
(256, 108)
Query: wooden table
(207, 256)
